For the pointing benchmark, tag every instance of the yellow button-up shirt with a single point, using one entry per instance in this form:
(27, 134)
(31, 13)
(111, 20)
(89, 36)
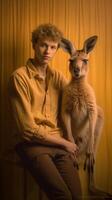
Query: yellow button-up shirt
(34, 104)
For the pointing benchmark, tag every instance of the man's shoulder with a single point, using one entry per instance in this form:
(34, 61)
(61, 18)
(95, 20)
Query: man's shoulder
(19, 75)
(59, 78)
(58, 73)
(20, 71)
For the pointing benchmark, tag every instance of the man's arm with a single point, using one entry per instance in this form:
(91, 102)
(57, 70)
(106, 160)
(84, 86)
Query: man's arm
(21, 109)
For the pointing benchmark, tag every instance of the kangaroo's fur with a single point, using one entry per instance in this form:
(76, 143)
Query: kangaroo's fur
(82, 118)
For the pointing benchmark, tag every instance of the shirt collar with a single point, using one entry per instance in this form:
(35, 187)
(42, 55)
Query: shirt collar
(33, 71)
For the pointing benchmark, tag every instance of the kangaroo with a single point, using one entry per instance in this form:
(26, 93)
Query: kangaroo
(82, 118)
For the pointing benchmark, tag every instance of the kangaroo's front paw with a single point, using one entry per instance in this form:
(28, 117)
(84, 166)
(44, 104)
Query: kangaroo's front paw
(89, 162)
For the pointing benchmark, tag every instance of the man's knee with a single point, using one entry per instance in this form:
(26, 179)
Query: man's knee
(66, 194)
(61, 194)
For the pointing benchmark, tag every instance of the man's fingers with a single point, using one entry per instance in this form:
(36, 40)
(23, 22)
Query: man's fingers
(75, 161)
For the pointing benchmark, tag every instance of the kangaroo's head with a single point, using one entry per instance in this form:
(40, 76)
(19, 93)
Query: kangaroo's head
(79, 58)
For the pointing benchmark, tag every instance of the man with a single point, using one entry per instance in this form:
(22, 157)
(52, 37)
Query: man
(35, 91)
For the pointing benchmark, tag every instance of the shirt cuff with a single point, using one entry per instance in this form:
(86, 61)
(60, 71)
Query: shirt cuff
(40, 133)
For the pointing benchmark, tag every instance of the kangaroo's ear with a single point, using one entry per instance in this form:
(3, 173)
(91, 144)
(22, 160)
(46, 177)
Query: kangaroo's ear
(90, 43)
(67, 46)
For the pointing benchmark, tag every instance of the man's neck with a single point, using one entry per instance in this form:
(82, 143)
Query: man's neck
(42, 68)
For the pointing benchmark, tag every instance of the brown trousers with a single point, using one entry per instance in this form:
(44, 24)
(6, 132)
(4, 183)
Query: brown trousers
(52, 169)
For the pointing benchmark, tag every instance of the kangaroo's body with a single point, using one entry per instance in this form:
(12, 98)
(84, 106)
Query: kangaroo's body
(82, 118)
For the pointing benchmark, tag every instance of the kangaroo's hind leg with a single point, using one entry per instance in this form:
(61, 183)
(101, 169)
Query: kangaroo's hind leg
(98, 129)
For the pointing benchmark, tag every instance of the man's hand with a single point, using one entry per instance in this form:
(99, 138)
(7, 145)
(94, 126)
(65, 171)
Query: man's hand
(75, 160)
(72, 148)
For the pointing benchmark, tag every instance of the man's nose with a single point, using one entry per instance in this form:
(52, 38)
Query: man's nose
(47, 50)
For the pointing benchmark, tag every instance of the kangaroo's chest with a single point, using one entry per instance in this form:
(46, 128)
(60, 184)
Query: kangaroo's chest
(78, 102)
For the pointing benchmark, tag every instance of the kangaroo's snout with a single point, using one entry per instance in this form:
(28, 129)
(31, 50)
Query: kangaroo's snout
(76, 71)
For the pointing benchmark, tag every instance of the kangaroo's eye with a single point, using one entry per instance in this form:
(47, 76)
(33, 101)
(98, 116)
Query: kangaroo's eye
(71, 62)
(85, 61)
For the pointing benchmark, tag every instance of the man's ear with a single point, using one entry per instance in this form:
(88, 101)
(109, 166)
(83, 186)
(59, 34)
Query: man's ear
(90, 43)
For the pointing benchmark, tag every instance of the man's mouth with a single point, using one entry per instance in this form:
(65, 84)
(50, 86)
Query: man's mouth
(46, 57)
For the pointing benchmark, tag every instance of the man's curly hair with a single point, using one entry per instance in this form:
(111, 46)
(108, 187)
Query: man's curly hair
(46, 31)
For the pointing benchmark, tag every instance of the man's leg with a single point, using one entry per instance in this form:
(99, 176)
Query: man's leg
(45, 173)
(70, 175)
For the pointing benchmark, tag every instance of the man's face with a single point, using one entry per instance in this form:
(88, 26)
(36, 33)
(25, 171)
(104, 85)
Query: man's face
(45, 50)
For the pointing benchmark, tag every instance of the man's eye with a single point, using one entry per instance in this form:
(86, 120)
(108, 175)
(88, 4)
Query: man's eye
(43, 45)
(85, 61)
(53, 47)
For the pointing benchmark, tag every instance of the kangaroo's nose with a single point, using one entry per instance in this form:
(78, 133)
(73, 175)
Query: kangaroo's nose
(76, 70)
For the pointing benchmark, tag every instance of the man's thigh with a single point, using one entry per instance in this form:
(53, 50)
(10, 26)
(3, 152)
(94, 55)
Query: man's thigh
(69, 173)
(42, 167)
